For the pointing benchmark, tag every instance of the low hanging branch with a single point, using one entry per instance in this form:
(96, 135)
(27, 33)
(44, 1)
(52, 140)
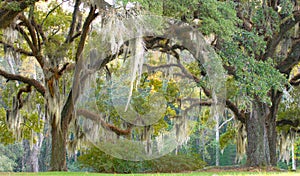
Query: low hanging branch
(32, 82)
(26, 89)
(96, 118)
(239, 115)
(284, 122)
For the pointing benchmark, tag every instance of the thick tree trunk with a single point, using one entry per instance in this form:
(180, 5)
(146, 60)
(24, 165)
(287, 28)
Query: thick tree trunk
(257, 141)
(58, 150)
(261, 132)
(60, 137)
(271, 126)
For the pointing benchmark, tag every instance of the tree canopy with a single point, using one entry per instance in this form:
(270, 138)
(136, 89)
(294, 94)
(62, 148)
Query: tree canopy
(255, 43)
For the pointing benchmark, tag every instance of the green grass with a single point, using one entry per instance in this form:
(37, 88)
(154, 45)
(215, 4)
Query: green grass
(164, 174)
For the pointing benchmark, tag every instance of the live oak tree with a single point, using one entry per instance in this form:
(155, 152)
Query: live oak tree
(266, 50)
(259, 44)
(47, 36)
(260, 58)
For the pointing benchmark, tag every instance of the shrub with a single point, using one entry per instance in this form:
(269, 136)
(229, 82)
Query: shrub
(97, 160)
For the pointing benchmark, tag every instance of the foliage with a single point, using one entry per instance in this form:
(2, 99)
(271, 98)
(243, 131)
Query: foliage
(10, 157)
(297, 148)
(289, 108)
(254, 78)
(228, 156)
(6, 164)
(227, 137)
(101, 162)
(218, 17)
(6, 134)
(45, 155)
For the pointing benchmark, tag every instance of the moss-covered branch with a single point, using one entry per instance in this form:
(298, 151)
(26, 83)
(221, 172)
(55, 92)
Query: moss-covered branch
(37, 85)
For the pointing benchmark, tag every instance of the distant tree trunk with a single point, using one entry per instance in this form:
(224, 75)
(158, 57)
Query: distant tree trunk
(30, 160)
(257, 147)
(217, 140)
(36, 148)
(26, 156)
(45, 154)
(294, 167)
(34, 157)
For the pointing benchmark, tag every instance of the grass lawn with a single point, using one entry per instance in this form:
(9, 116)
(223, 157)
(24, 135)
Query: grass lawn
(164, 174)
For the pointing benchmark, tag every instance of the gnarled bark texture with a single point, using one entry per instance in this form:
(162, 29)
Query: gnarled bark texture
(257, 155)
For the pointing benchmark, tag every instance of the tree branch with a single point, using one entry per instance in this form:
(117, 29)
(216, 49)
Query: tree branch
(284, 27)
(86, 27)
(284, 122)
(96, 118)
(18, 50)
(75, 36)
(240, 116)
(33, 48)
(19, 94)
(32, 33)
(52, 10)
(199, 103)
(37, 85)
(7, 14)
(23, 33)
(225, 122)
(292, 59)
(73, 23)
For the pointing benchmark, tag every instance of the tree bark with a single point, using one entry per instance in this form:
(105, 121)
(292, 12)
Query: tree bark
(60, 137)
(271, 126)
(59, 152)
(257, 141)
(34, 157)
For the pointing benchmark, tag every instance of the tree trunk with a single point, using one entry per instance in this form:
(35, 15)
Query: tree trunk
(60, 137)
(34, 157)
(217, 140)
(58, 150)
(294, 167)
(257, 141)
(271, 126)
